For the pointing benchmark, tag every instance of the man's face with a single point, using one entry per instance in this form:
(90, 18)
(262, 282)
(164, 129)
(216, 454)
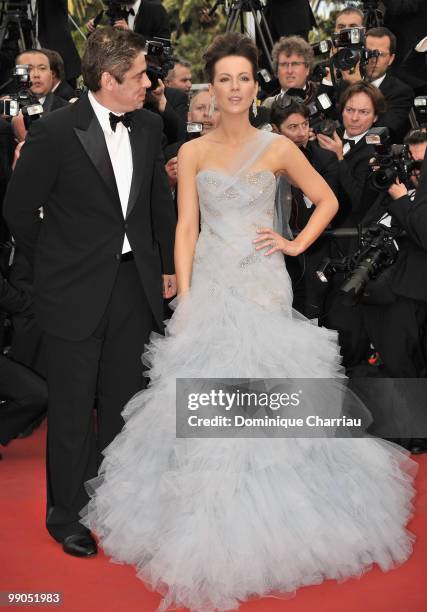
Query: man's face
(358, 114)
(292, 71)
(200, 111)
(418, 152)
(180, 78)
(348, 20)
(296, 127)
(129, 95)
(378, 66)
(40, 72)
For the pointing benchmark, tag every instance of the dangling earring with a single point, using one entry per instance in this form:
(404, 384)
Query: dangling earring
(254, 108)
(212, 106)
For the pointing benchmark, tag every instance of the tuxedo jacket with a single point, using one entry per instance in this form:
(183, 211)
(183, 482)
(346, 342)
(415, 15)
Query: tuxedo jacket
(413, 70)
(288, 17)
(152, 20)
(399, 99)
(409, 279)
(355, 196)
(54, 33)
(65, 91)
(76, 249)
(52, 102)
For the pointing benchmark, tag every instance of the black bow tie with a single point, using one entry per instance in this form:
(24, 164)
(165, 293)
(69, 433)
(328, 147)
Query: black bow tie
(125, 119)
(349, 141)
(131, 11)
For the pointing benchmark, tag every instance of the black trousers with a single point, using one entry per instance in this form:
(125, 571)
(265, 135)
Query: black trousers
(24, 396)
(106, 368)
(398, 332)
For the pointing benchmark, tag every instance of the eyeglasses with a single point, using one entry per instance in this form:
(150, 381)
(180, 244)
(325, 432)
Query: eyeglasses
(380, 54)
(291, 64)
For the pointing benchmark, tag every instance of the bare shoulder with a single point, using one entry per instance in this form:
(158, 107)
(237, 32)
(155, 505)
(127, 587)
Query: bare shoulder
(281, 153)
(194, 151)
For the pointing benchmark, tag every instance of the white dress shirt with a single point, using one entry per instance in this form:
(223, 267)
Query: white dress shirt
(131, 18)
(120, 151)
(378, 82)
(346, 148)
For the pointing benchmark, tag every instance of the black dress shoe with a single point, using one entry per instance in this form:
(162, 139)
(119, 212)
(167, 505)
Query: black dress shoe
(80, 545)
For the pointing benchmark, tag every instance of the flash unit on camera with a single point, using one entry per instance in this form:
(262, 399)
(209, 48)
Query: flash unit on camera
(377, 136)
(420, 101)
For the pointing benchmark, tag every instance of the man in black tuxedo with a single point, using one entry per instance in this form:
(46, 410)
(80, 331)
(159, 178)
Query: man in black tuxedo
(290, 17)
(54, 33)
(99, 254)
(146, 18)
(60, 87)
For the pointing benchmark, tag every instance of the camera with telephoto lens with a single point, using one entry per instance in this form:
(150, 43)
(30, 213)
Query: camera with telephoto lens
(391, 161)
(352, 50)
(268, 83)
(319, 120)
(321, 51)
(160, 60)
(117, 10)
(24, 100)
(367, 270)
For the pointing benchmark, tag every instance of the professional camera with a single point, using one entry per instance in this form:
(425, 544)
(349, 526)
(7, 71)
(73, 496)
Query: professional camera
(194, 129)
(391, 161)
(319, 120)
(160, 60)
(351, 45)
(24, 100)
(420, 111)
(268, 83)
(376, 253)
(116, 10)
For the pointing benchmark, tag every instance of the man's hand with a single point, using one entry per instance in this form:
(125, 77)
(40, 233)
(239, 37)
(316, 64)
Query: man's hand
(172, 171)
(333, 144)
(121, 23)
(353, 76)
(397, 190)
(169, 285)
(18, 126)
(159, 97)
(91, 25)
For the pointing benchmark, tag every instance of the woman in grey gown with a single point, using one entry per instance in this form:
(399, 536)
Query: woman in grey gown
(212, 522)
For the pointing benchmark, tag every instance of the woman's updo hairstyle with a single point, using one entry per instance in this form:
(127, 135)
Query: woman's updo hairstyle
(231, 43)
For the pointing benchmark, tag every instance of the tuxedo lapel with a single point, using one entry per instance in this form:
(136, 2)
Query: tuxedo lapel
(139, 141)
(91, 136)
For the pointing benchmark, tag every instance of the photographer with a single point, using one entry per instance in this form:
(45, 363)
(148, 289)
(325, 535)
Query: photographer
(290, 117)
(397, 329)
(146, 18)
(293, 62)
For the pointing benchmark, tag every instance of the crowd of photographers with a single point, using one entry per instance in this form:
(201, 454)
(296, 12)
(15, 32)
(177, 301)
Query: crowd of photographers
(361, 123)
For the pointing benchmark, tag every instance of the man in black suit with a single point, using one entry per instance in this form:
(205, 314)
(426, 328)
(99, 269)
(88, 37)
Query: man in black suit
(54, 33)
(146, 18)
(60, 87)
(41, 78)
(99, 254)
(290, 17)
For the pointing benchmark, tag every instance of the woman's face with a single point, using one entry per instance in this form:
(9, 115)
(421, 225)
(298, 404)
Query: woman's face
(200, 111)
(358, 114)
(234, 86)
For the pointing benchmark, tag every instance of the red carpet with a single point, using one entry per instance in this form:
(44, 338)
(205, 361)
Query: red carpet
(31, 561)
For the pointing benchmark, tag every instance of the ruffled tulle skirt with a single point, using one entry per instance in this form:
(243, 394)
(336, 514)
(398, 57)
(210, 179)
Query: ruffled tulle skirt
(212, 522)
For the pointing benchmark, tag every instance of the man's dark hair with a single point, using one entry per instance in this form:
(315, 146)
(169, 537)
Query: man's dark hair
(231, 43)
(56, 62)
(415, 137)
(376, 96)
(381, 33)
(39, 51)
(347, 10)
(110, 50)
(279, 112)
